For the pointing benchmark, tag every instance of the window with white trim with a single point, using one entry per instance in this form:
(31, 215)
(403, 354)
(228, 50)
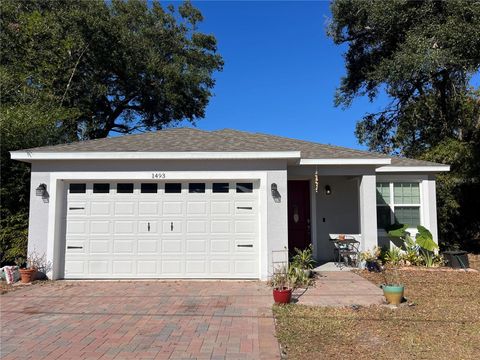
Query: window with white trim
(398, 202)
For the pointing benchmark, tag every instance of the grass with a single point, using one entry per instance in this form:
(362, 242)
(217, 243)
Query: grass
(443, 322)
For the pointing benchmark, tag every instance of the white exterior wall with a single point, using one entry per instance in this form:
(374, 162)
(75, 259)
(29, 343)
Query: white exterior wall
(368, 211)
(47, 220)
(38, 213)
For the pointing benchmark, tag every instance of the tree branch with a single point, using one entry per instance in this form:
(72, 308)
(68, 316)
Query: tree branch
(73, 73)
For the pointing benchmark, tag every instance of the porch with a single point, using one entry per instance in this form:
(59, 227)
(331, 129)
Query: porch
(324, 200)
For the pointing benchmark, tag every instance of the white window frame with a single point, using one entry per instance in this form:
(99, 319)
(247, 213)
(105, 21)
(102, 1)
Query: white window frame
(391, 205)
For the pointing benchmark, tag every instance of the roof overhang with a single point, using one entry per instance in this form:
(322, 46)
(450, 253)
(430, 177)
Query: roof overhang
(347, 161)
(423, 169)
(29, 156)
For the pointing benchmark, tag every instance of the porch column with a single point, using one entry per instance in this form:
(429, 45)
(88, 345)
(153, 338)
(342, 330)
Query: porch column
(368, 211)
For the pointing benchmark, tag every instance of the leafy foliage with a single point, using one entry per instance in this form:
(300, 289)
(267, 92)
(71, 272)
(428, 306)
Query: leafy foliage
(73, 70)
(422, 54)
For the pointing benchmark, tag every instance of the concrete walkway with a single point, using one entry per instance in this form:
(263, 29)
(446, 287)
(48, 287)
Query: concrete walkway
(139, 319)
(340, 288)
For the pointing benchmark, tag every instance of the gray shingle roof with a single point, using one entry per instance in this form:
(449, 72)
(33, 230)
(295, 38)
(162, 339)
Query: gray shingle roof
(227, 140)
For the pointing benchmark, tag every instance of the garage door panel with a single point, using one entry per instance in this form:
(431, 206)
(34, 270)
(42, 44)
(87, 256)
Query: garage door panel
(152, 235)
(99, 267)
(245, 226)
(196, 267)
(99, 246)
(221, 226)
(147, 208)
(172, 208)
(148, 227)
(75, 268)
(196, 226)
(123, 267)
(124, 227)
(220, 267)
(99, 227)
(220, 208)
(196, 246)
(148, 267)
(100, 208)
(172, 246)
(124, 246)
(220, 246)
(197, 208)
(172, 227)
(245, 266)
(172, 267)
(77, 227)
(148, 246)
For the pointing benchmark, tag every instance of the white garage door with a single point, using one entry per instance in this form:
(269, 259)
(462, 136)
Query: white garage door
(162, 230)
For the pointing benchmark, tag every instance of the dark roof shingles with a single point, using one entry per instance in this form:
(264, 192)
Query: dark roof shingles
(189, 139)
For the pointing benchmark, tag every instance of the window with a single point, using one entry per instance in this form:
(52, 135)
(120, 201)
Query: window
(398, 202)
(101, 188)
(124, 188)
(196, 187)
(244, 187)
(78, 188)
(148, 188)
(173, 188)
(220, 187)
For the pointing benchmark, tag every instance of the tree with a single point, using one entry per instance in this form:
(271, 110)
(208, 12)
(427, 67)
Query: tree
(73, 70)
(123, 65)
(422, 54)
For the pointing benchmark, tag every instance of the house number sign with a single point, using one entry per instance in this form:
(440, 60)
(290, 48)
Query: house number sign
(158, 175)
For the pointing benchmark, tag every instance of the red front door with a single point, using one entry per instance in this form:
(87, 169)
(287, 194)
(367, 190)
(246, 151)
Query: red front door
(298, 215)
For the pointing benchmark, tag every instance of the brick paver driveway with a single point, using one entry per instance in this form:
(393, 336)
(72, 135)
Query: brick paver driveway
(139, 319)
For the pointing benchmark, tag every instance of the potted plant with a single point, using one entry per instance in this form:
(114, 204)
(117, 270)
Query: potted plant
(280, 282)
(32, 264)
(27, 273)
(392, 288)
(303, 259)
(370, 257)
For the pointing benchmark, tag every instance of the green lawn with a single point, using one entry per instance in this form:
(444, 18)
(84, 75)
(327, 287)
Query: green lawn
(442, 323)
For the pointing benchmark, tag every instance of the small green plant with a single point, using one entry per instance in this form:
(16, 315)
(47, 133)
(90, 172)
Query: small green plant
(371, 255)
(393, 256)
(304, 258)
(298, 277)
(280, 278)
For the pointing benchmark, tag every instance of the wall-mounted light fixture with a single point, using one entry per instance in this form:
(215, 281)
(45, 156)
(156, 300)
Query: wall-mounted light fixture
(41, 190)
(328, 190)
(275, 194)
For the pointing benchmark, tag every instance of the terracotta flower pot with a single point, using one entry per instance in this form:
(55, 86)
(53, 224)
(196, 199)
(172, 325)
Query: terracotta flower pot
(27, 275)
(393, 293)
(282, 296)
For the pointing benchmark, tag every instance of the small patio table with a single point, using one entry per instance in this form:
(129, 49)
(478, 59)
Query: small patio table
(346, 249)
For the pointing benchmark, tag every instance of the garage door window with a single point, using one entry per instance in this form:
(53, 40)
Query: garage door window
(148, 188)
(78, 188)
(101, 188)
(220, 187)
(244, 187)
(196, 187)
(173, 188)
(125, 188)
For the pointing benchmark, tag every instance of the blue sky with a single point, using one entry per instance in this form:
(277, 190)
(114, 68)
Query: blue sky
(281, 72)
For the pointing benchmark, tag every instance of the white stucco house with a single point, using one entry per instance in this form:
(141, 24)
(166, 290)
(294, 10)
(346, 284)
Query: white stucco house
(186, 203)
